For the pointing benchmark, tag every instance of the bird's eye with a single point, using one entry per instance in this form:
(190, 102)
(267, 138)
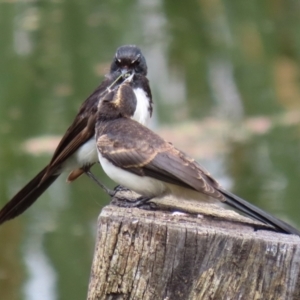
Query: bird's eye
(136, 61)
(117, 61)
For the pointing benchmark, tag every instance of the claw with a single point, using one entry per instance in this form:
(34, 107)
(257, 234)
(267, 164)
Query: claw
(120, 188)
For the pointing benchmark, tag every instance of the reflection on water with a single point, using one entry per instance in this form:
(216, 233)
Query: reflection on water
(224, 90)
(41, 274)
(224, 77)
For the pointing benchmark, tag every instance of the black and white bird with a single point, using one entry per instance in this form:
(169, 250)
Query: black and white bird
(76, 151)
(135, 157)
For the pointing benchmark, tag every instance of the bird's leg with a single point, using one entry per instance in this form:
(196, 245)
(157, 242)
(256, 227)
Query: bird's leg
(111, 193)
(92, 176)
(141, 202)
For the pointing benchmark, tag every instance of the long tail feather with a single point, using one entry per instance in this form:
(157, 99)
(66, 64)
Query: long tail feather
(257, 213)
(26, 196)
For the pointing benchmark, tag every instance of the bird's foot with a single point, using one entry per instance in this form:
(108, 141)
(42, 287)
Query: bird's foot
(120, 188)
(144, 203)
(140, 202)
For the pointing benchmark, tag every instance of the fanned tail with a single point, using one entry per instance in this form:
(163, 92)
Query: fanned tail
(257, 213)
(26, 196)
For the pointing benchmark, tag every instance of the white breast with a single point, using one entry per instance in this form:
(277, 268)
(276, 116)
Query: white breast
(85, 155)
(142, 113)
(145, 186)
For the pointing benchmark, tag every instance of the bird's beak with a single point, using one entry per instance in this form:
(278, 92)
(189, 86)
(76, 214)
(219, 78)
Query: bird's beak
(129, 77)
(127, 74)
(124, 71)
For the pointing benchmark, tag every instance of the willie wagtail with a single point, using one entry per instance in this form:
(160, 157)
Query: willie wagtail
(76, 151)
(137, 158)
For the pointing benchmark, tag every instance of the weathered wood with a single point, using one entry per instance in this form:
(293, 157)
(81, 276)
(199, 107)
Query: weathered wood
(216, 254)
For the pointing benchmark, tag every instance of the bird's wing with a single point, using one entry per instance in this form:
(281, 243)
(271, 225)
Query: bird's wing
(83, 126)
(70, 141)
(146, 154)
(175, 163)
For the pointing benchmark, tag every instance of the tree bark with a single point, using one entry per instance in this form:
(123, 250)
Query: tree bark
(210, 253)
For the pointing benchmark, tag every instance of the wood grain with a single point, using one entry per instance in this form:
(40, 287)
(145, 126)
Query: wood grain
(211, 254)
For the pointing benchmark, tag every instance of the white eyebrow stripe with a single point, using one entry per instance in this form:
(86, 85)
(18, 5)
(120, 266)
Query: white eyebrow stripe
(138, 56)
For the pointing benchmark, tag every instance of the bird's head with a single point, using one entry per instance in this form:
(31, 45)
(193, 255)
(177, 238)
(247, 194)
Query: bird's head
(119, 102)
(129, 59)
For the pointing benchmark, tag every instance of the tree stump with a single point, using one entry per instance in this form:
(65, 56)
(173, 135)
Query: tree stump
(210, 253)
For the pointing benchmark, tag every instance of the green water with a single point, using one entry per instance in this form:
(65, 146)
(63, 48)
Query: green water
(229, 68)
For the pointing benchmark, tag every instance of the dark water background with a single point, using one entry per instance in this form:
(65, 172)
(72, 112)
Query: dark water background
(225, 80)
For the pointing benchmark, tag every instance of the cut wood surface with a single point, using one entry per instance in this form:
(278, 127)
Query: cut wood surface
(211, 253)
